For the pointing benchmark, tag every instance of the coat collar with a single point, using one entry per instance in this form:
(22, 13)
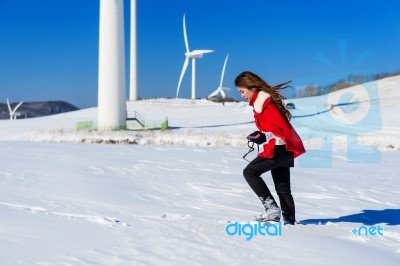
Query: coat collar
(258, 100)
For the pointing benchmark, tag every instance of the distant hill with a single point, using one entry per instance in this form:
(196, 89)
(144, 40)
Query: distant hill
(37, 109)
(219, 99)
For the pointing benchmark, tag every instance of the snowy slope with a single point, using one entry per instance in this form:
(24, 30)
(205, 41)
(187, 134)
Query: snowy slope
(69, 203)
(97, 204)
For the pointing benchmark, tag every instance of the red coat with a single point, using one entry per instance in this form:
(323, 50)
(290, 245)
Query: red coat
(268, 118)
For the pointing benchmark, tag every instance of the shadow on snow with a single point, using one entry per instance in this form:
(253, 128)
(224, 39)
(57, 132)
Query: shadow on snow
(366, 217)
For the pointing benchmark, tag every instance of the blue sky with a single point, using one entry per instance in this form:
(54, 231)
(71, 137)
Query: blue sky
(49, 49)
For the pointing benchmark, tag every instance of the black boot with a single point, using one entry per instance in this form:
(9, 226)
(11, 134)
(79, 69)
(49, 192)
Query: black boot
(288, 210)
(289, 220)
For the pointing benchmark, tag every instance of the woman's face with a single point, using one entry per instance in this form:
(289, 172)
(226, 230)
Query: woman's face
(245, 93)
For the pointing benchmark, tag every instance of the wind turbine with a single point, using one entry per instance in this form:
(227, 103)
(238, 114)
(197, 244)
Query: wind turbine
(221, 89)
(13, 113)
(190, 55)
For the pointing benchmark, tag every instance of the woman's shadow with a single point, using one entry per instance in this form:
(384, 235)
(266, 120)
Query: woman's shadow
(366, 217)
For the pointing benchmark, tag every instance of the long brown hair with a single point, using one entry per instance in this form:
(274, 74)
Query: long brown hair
(250, 81)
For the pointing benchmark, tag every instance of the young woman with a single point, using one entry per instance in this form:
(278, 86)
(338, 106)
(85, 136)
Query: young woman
(282, 145)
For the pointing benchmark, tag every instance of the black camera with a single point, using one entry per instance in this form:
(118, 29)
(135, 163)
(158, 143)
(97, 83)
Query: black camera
(257, 137)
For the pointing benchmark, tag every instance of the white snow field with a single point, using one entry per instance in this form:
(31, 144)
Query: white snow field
(67, 198)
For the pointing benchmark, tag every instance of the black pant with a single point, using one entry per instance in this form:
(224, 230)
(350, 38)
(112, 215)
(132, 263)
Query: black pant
(280, 171)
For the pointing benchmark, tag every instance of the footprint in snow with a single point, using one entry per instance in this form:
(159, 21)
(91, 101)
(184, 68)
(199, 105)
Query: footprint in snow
(175, 216)
(111, 221)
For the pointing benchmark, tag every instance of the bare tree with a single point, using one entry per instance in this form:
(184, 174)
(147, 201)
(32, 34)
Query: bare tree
(309, 90)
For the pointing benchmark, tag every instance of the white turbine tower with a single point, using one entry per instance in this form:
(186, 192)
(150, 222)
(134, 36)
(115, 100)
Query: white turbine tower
(111, 86)
(190, 55)
(13, 112)
(133, 91)
(221, 89)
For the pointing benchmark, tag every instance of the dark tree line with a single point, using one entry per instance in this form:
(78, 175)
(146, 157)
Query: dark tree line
(351, 80)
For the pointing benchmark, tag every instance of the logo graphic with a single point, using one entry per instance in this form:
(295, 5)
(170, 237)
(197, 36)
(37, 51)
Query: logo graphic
(250, 230)
(349, 112)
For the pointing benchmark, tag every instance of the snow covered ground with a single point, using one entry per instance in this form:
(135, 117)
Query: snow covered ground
(169, 202)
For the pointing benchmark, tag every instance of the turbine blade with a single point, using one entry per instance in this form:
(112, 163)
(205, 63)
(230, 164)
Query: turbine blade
(185, 65)
(185, 34)
(8, 104)
(16, 107)
(214, 93)
(223, 71)
(200, 52)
